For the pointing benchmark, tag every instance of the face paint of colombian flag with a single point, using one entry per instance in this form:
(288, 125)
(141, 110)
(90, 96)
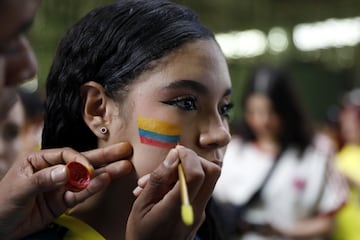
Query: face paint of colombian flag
(158, 133)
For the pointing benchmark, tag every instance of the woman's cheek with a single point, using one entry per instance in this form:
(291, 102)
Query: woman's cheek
(147, 158)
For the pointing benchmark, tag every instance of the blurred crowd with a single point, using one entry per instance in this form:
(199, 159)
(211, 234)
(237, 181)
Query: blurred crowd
(285, 177)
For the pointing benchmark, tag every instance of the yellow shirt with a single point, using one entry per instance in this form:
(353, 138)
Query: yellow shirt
(77, 229)
(349, 162)
(348, 218)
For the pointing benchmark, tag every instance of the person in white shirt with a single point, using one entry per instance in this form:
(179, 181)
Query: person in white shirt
(275, 162)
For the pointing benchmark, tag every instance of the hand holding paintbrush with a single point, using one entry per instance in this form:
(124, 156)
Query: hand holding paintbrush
(160, 133)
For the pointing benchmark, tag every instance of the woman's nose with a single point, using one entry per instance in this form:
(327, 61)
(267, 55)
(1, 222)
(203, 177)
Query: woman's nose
(215, 135)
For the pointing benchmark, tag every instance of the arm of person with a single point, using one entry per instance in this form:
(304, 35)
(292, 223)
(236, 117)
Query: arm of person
(33, 191)
(156, 210)
(317, 226)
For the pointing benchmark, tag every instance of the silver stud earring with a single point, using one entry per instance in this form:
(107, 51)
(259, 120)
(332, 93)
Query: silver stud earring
(103, 130)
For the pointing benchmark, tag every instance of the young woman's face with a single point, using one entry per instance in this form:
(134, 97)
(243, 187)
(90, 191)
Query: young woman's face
(189, 88)
(11, 125)
(261, 118)
(18, 61)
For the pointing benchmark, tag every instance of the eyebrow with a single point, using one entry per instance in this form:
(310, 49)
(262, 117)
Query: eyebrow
(195, 86)
(188, 84)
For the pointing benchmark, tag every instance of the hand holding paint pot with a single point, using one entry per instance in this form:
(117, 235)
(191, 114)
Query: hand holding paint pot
(36, 182)
(79, 176)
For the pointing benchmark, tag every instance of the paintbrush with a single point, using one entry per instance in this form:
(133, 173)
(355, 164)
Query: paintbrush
(187, 213)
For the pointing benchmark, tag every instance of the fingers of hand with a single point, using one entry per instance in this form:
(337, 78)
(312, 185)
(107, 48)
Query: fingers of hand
(51, 177)
(100, 157)
(49, 157)
(97, 157)
(193, 170)
(212, 173)
(141, 184)
(211, 170)
(42, 174)
(44, 180)
(97, 184)
(161, 180)
(201, 176)
(116, 169)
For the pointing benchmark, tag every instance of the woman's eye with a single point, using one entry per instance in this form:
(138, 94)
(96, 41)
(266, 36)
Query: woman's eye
(225, 109)
(187, 104)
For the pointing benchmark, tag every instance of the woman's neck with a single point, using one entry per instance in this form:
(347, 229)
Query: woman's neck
(108, 211)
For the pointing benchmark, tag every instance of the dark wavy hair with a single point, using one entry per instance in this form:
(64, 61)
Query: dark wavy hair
(277, 84)
(111, 45)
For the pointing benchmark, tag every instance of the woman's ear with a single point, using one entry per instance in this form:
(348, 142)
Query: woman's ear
(95, 108)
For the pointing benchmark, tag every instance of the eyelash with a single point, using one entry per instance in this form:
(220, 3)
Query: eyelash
(184, 103)
(226, 109)
(189, 104)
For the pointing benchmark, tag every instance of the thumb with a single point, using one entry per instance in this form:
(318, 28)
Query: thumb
(48, 179)
(161, 180)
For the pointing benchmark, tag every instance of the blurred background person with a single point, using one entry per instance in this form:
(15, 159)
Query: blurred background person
(21, 123)
(276, 171)
(12, 121)
(348, 162)
(329, 126)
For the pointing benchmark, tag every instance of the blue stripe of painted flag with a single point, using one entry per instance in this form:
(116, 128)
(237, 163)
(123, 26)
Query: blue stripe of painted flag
(159, 137)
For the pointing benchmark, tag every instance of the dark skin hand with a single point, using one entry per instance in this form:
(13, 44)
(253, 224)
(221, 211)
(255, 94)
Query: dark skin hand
(33, 192)
(156, 211)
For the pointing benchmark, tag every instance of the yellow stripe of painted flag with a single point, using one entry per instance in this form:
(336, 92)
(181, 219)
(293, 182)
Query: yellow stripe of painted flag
(158, 126)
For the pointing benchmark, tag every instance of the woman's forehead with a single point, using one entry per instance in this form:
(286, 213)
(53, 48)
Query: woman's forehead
(200, 57)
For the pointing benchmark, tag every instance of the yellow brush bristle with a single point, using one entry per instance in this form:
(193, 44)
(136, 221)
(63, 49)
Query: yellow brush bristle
(187, 214)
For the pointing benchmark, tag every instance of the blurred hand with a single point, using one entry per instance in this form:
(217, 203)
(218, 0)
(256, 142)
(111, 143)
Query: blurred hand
(157, 209)
(33, 191)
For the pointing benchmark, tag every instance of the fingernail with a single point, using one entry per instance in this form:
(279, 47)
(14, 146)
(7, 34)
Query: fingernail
(58, 174)
(142, 181)
(137, 191)
(172, 159)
